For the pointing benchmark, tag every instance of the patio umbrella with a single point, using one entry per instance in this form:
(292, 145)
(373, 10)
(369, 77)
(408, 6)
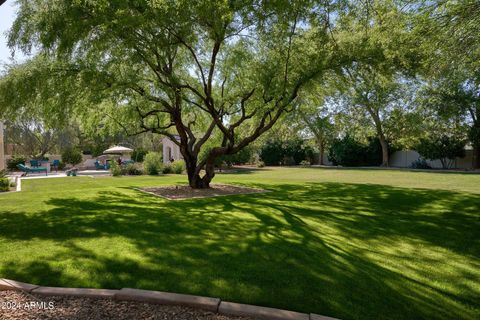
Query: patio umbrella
(118, 150)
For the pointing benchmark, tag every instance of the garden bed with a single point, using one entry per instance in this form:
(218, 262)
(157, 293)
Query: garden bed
(185, 192)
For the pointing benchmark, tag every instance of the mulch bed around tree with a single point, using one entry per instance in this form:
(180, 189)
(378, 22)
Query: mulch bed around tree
(185, 192)
(18, 305)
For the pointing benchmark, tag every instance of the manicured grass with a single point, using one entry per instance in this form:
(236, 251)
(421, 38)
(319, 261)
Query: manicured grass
(353, 244)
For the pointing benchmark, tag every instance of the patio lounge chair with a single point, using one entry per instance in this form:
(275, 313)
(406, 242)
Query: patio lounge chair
(56, 164)
(99, 166)
(34, 163)
(28, 170)
(127, 162)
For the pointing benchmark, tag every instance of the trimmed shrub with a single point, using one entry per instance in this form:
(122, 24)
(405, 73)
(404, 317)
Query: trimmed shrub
(152, 163)
(14, 162)
(4, 184)
(116, 169)
(178, 166)
(133, 169)
(349, 152)
(167, 169)
(61, 166)
(71, 156)
(305, 163)
(290, 152)
(420, 164)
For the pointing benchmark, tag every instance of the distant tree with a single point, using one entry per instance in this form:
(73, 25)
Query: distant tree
(445, 148)
(31, 138)
(458, 99)
(449, 34)
(384, 55)
(314, 118)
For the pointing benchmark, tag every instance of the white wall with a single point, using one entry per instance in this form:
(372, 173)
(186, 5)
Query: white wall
(170, 150)
(403, 159)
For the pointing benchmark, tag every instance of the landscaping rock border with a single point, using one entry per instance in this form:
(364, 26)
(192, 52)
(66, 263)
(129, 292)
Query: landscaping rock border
(165, 298)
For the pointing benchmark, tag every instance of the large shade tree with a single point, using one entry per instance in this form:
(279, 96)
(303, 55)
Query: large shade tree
(450, 35)
(383, 56)
(184, 69)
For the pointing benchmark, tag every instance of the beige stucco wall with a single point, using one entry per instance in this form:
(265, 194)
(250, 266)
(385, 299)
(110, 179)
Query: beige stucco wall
(2, 148)
(170, 150)
(403, 159)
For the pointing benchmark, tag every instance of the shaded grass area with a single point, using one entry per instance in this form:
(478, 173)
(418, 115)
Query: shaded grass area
(320, 242)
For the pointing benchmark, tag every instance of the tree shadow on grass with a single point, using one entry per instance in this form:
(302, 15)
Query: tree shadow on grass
(344, 250)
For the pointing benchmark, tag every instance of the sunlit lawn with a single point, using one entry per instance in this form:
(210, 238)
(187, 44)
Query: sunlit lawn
(353, 244)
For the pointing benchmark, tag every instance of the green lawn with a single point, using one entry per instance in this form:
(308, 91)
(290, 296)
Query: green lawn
(353, 244)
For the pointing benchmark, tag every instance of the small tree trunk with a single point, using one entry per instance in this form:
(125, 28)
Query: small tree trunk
(476, 157)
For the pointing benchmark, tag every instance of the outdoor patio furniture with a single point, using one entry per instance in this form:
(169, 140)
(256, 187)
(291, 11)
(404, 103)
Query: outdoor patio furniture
(99, 166)
(28, 170)
(127, 162)
(56, 164)
(34, 164)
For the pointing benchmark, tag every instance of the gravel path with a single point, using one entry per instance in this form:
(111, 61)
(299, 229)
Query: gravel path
(19, 305)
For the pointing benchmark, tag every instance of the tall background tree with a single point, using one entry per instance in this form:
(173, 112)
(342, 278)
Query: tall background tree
(449, 33)
(377, 38)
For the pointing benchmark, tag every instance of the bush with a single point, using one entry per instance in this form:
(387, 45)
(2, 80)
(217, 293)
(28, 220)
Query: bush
(445, 148)
(133, 169)
(61, 166)
(71, 156)
(167, 169)
(260, 164)
(305, 163)
(4, 184)
(3, 173)
(153, 163)
(178, 166)
(290, 152)
(14, 162)
(116, 169)
(241, 157)
(272, 153)
(349, 152)
(420, 164)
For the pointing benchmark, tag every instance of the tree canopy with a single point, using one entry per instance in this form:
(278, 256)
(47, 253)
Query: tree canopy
(170, 67)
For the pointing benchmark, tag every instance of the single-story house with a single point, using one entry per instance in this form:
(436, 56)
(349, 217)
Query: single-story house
(171, 151)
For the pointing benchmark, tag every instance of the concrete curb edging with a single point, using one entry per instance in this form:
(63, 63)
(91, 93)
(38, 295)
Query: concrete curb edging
(237, 309)
(159, 297)
(76, 292)
(166, 298)
(7, 284)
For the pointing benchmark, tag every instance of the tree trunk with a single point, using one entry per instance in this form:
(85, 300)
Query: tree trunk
(381, 136)
(193, 171)
(322, 152)
(476, 157)
(384, 144)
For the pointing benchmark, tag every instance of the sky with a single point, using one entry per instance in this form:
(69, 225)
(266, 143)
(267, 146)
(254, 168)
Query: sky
(7, 16)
